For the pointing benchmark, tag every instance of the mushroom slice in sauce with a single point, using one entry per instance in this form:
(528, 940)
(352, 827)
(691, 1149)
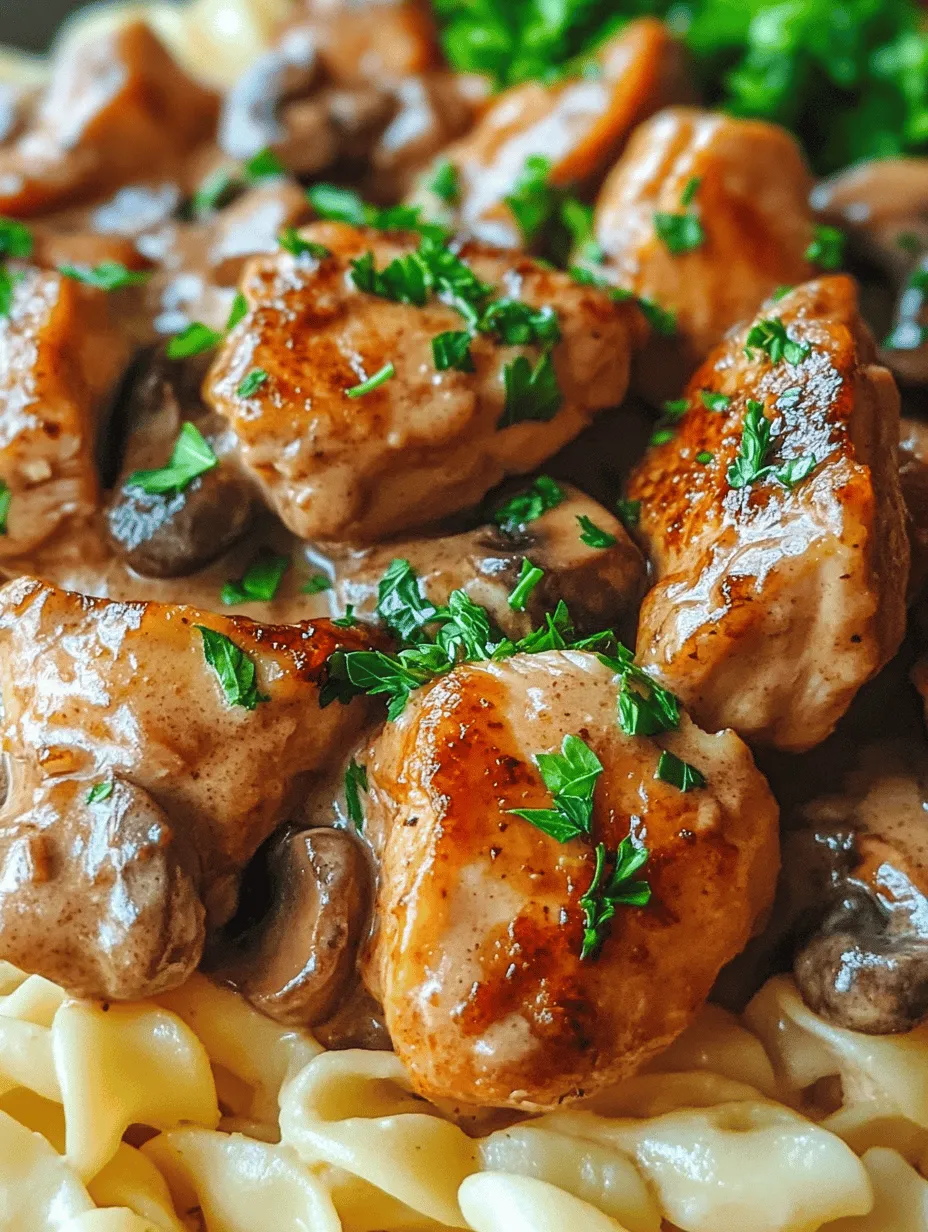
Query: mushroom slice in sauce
(296, 962)
(578, 125)
(170, 534)
(223, 749)
(423, 443)
(61, 354)
(477, 954)
(749, 186)
(118, 107)
(777, 599)
(601, 582)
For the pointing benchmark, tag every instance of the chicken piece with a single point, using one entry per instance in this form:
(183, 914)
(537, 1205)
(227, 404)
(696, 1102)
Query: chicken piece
(95, 692)
(118, 106)
(601, 585)
(477, 953)
(371, 43)
(773, 605)
(579, 125)
(423, 444)
(60, 356)
(913, 477)
(752, 203)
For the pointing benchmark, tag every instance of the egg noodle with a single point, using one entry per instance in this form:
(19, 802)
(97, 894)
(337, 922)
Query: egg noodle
(195, 1111)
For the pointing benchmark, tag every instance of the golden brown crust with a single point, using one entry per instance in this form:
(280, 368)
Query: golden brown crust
(772, 607)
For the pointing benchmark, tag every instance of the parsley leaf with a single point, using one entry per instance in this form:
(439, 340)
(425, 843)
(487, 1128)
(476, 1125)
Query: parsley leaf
(679, 233)
(215, 191)
(260, 582)
(265, 165)
(372, 382)
(770, 336)
(606, 892)
(749, 466)
(677, 408)
(704, 457)
(316, 584)
(445, 182)
(400, 603)
(15, 239)
(795, 470)
(191, 456)
(405, 280)
(193, 340)
(251, 383)
(235, 669)
(594, 536)
(349, 620)
(533, 202)
(8, 282)
(6, 499)
(355, 783)
(827, 248)
(238, 310)
(532, 393)
(451, 349)
(100, 791)
(516, 323)
(529, 577)
(107, 276)
(528, 506)
(646, 708)
(345, 205)
(670, 769)
(713, 401)
(291, 241)
(571, 777)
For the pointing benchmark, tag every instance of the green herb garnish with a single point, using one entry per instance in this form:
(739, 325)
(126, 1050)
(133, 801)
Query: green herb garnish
(646, 708)
(594, 536)
(316, 584)
(265, 165)
(291, 241)
(400, 603)
(372, 382)
(107, 276)
(533, 202)
(571, 777)
(713, 401)
(751, 462)
(215, 191)
(445, 182)
(629, 512)
(15, 239)
(6, 499)
(528, 506)
(193, 340)
(770, 336)
(613, 889)
(191, 456)
(251, 383)
(679, 233)
(704, 457)
(238, 310)
(680, 774)
(259, 583)
(349, 620)
(827, 248)
(532, 392)
(235, 669)
(100, 791)
(355, 783)
(529, 577)
(452, 350)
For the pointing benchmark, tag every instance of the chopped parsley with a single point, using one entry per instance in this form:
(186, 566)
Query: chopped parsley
(676, 408)
(532, 391)
(577, 218)
(355, 783)
(770, 337)
(612, 889)
(594, 536)
(251, 383)
(372, 382)
(215, 191)
(237, 311)
(316, 584)
(629, 512)
(107, 276)
(662, 320)
(516, 323)
(349, 620)
(533, 202)
(193, 340)
(265, 165)
(451, 349)
(8, 282)
(684, 232)
(570, 776)
(529, 577)
(401, 604)
(291, 241)
(827, 248)
(405, 280)
(100, 791)
(6, 499)
(445, 182)
(646, 708)
(713, 401)
(528, 506)
(236, 670)
(260, 582)
(704, 457)
(661, 436)
(680, 774)
(751, 463)
(192, 456)
(15, 239)
(344, 205)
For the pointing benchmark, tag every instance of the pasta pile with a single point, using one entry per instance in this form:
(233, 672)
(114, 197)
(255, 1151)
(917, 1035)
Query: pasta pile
(195, 1112)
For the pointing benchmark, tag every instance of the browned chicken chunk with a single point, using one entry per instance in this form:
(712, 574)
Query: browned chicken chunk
(578, 125)
(477, 955)
(60, 355)
(601, 582)
(781, 565)
(342, 464)
(750, 201)
(360, 43)
(212, 722)
(118, 106)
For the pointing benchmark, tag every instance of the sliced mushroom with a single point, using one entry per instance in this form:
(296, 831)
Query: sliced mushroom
(175, 533)
(863, 960)
(601, 585)
(883, 205)
(250, 119)
(295, 962)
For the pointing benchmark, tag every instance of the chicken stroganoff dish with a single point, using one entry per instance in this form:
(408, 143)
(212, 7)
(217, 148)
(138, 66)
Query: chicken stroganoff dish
(464, 618)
